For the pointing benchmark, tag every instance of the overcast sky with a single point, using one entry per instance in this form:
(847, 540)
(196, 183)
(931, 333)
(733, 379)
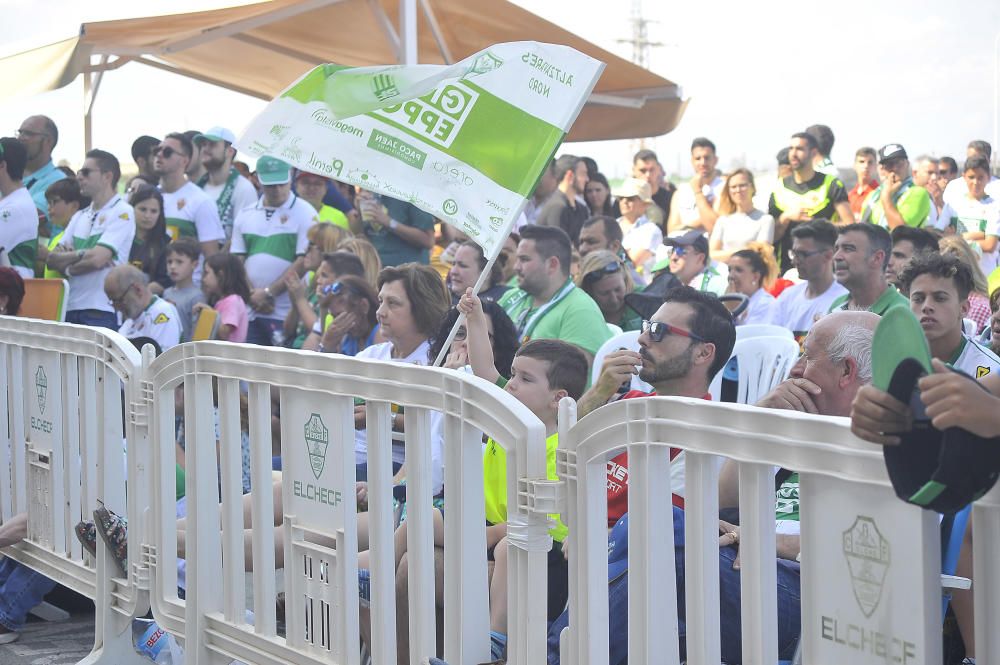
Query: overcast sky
(921, 74)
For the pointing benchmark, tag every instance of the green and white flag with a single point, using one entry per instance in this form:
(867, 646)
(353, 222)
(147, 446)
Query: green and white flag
(464, 142)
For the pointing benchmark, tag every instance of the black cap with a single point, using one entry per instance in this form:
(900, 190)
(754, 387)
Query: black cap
(891, 151)
(694, 239)
(939, 470)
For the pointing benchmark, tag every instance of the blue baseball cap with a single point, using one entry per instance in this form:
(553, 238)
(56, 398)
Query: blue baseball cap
(618, 549)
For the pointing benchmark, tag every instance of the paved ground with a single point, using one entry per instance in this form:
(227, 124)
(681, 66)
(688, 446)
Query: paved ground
(44, 643)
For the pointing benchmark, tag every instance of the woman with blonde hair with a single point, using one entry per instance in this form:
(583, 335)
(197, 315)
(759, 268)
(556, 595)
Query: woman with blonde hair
(604, 278)
(365, 251)
(979, 300)
(739, 222)
(752, 272)
(324, 238)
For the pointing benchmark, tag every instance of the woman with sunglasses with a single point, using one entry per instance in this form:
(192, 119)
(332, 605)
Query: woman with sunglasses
(752, 272)
(604, 278)
(739, 223)
(323, 239)
(346, 322)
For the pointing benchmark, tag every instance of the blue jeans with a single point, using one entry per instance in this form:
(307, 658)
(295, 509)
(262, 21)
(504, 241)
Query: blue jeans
(789, 613)
(93, 317)
(21, 588)
(261, 331)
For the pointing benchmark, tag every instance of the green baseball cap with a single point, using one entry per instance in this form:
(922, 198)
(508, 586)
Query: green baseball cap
(273, 171)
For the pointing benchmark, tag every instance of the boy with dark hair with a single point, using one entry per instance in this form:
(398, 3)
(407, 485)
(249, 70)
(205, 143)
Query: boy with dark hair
(864, 169)
(64, 200)
(907, 242)
(975, 213)
(182, 259)
(939, 287)
(544, 371)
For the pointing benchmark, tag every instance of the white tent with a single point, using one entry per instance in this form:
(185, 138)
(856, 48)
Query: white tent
(258, 49)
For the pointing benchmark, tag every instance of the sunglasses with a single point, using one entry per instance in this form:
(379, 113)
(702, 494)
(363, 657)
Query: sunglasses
(86, 171)
(657, 330)
(336, 289)
(166, 151)
(679, 251)
(595, 275)
(27, 134)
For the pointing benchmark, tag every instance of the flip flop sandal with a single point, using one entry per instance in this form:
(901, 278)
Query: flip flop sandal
(113, 530)
(86, 533)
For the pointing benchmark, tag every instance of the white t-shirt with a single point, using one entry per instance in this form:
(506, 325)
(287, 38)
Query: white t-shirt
(191, 213)
(19, 231)
(760, 309)
(271, 239)
(739, 229)
(975, 359)
(794, 310)
(113, 226)
(687, 208)
(383, 351)
(644, 235)
(970, 215)
(158, 321)
(957, 189)
(244, 196)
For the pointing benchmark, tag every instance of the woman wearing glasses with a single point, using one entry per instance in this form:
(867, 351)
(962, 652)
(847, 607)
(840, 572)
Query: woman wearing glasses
(739, 222)
(752, 272)
(604, 278)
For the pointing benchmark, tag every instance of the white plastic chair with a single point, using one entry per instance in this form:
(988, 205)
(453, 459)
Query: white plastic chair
(764, 362)
(626, 340)
(615, 330)
(762, 330)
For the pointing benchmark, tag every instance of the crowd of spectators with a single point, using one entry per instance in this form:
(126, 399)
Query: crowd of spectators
(199, 246)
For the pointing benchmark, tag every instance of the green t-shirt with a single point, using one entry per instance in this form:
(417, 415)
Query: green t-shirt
(495, 483)
(912, 201)
(890, 298)
(575, 319)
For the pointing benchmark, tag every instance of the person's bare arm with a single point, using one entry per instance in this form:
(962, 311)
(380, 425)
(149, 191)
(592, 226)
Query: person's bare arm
(618, 367)
(477, 337)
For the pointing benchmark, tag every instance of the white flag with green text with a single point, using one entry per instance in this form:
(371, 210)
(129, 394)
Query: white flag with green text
(464, 142)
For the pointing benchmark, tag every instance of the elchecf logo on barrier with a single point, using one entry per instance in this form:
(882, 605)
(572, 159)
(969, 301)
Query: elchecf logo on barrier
(41, 388)
(317, 438)
(867, 554)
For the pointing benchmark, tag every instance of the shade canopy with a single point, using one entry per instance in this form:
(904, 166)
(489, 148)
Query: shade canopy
(259, 49)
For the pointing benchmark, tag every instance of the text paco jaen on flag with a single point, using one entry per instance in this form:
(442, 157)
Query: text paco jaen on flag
(464, 142)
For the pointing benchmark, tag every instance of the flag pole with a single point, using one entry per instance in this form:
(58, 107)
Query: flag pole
(483, 276)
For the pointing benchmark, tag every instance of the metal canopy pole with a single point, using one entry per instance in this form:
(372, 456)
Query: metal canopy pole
(408, 31)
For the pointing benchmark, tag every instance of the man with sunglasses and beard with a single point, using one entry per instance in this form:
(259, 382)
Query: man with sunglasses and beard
(681, 348)
(189, 210)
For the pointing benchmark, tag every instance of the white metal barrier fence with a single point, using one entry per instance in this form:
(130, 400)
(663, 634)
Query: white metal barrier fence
(870, 576)
(68, 393)
(317, 400)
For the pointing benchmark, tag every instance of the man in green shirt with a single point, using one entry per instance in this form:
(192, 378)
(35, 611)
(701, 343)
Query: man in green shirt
(860, 258)
(546, 304)
(897, 200)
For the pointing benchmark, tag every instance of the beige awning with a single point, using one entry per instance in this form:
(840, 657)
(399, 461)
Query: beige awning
(259, 49)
